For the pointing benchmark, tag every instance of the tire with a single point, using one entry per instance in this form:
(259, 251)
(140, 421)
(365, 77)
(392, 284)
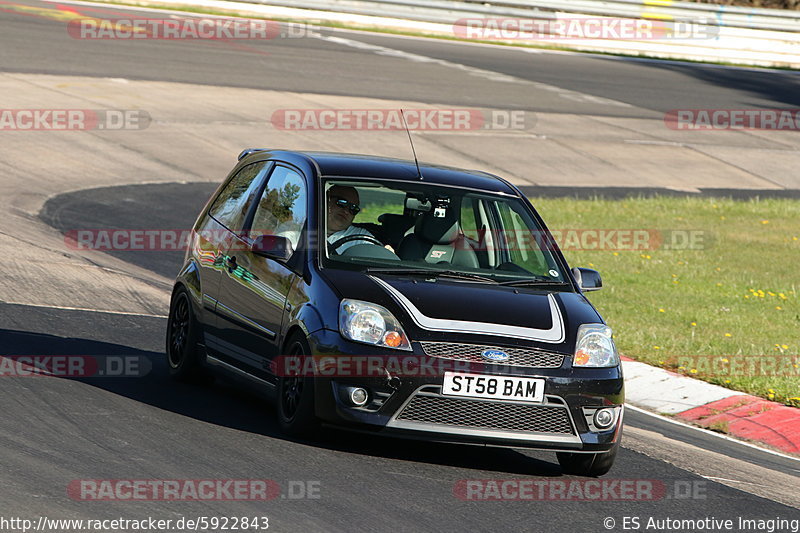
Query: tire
(296, 396)
(183, 332)
(587, 464)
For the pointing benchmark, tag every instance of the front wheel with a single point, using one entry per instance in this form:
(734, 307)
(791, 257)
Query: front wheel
(296, 396)
(587, 464)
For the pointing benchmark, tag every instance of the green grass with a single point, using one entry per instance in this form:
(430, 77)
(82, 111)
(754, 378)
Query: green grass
(687, 310)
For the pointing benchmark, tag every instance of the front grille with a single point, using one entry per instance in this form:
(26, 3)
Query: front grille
(432, 409)
(527, 357)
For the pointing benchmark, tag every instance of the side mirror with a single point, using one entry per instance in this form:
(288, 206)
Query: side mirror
(588, 279)
(272, 247)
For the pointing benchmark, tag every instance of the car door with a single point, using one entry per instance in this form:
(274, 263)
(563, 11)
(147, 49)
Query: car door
(254, 289)
(224, 220)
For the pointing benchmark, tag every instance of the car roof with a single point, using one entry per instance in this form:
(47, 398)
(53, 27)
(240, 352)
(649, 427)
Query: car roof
(331, 164)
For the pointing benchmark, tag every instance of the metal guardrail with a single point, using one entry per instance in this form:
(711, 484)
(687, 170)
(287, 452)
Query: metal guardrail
(734, 16)
(449, 11)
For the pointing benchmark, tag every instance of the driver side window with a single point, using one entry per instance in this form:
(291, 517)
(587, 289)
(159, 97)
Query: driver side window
(281, 209)
(521, 244)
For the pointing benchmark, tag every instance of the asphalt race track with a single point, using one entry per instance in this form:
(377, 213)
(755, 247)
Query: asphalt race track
(329, 68)
(55, 300)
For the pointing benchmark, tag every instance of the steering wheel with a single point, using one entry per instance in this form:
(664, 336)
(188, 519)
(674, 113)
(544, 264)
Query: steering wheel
(356, 237)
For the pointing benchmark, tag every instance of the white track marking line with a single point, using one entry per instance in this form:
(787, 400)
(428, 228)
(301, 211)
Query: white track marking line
(627, 406)
(66, 308)
(567, 94)
(713, 478)
(576, 53)
(522, 49)
(689, 63)
(709, 432)
(416, 58)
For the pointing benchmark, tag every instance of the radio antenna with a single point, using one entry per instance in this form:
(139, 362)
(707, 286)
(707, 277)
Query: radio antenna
(413, 151)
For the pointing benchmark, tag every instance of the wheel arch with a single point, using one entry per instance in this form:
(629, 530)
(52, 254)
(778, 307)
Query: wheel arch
(305, 320)
(189, 280)
(294, 330)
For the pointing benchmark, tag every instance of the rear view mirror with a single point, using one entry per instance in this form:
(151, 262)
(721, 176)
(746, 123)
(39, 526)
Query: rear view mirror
(588, 279)
(415, 204)
(273, 247)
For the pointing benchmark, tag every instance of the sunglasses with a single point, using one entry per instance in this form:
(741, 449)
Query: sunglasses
(344, 204)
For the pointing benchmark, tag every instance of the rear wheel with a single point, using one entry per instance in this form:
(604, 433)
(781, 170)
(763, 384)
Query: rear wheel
(587, 464)
(182, 334)
(296, 396)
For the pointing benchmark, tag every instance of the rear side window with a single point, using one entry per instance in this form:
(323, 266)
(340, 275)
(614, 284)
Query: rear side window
(231, 206)
(282, 207)
(468, 223)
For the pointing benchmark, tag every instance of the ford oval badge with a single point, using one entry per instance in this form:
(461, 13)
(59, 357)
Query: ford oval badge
(494, 355)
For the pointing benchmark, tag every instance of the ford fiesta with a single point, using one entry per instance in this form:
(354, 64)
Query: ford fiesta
(381, 296)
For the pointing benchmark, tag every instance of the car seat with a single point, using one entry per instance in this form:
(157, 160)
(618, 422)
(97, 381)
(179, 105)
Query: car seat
(438, 239)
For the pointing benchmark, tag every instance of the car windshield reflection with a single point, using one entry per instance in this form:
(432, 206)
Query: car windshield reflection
(435, 230)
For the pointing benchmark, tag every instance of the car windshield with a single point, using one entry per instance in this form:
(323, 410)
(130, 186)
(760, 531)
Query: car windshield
(416, 228)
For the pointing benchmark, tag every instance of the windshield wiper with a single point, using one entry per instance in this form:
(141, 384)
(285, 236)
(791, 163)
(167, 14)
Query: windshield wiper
(433, 273)
(535, 281)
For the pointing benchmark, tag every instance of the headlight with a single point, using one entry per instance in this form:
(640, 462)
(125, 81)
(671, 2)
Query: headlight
(595, 347)
(371, 324)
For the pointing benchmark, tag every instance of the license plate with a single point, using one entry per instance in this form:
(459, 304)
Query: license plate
(495, 387)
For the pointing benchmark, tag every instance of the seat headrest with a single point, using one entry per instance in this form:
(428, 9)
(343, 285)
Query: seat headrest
(396, 223)
(437, 230)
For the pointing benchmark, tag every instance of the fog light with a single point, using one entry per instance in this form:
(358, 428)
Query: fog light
(357, 396)
(603, 418)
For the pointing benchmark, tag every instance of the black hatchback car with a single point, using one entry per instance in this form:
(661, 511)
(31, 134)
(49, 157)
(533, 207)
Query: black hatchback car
(382, 296)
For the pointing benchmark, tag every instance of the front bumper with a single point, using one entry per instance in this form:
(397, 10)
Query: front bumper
(412, 405)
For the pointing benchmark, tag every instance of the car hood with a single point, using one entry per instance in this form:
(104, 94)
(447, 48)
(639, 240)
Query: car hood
(465, 311)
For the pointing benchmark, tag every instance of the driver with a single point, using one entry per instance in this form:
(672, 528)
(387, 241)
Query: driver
(342, 207)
